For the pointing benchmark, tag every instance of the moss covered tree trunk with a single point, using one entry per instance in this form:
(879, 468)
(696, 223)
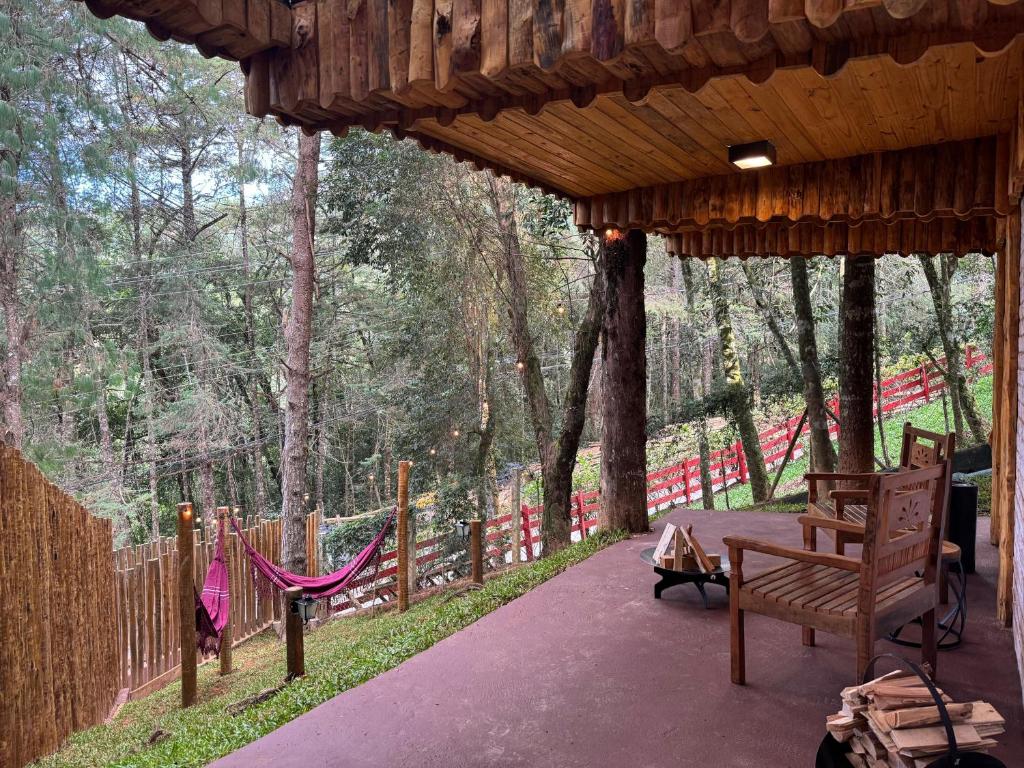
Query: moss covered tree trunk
(736, 389)
(700, 389)
(823, 457)
(624, 385)
(557, 451)
(965, 408)
(856, 349)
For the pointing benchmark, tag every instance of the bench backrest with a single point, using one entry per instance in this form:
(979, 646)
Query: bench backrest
(904, 528)
(922, 448)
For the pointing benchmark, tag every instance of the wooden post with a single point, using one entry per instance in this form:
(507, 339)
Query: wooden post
(582, 515)
(410, 543)
(227, 637)
(741, 461)
(403, 536)
(476, 550)
(517, 517)
(924, 383)
(528, 532)
(186, 607)
(293, 634)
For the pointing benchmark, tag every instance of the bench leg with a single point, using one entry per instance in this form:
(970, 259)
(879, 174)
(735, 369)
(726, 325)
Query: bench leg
(808, 636)
(737, 651)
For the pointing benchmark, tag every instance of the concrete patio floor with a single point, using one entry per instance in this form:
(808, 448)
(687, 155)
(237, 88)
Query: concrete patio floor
(589, 670)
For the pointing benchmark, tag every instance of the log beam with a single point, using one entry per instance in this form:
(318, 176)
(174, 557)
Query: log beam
(954, 180)
(624, 385)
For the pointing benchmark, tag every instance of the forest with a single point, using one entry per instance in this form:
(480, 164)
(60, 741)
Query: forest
(201, 306)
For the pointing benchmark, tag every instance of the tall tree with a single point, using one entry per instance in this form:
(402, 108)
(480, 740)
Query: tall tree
(823, 457)
(737, 393)
(961, 396)
(557, 447)
(624, 384)
(856, 350)
(702, 388)
(296, 365)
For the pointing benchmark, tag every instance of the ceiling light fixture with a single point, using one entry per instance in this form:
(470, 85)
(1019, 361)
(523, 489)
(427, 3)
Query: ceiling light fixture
(756, 154)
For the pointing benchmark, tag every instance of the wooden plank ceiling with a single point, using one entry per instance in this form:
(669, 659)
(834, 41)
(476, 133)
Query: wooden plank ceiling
(589, 98)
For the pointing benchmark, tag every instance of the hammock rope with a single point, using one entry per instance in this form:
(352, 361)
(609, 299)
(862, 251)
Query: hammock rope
(213, 606)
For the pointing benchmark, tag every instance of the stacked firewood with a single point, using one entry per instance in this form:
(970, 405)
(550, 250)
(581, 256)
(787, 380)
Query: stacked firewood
(893, 721)
(679, 550)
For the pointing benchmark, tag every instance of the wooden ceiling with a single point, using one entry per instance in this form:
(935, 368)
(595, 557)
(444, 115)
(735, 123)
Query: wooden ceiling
(606, 102)
(872, 104)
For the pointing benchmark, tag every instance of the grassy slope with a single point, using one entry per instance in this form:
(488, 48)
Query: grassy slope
(926, 417)
(339, 656)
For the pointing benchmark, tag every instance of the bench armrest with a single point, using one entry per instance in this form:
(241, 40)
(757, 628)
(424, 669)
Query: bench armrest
(813, 478)
(739, 544)
(835, 525)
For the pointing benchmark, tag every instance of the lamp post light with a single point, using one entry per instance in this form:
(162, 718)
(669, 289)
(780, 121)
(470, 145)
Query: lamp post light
(305, 607)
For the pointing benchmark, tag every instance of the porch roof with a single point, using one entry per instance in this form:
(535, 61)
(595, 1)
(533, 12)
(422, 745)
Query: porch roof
(623, 108)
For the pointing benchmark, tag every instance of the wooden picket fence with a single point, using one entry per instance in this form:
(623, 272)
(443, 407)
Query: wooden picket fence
(58, 666)
(678, 483)
(146, 584)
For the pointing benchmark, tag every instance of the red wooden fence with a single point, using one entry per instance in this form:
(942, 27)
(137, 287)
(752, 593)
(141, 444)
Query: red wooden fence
(673, 484)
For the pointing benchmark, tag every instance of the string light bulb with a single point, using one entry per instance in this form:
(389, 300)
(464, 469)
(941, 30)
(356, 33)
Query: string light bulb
(455, 433)
(560, 309)
(433, 452)
(371, 477)
(520, 365)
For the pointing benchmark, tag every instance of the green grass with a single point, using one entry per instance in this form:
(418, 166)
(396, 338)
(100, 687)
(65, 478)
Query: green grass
(340, 655)
(928, 417)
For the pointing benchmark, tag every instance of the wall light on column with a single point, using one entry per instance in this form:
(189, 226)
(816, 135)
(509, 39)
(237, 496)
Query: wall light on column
(756, 154)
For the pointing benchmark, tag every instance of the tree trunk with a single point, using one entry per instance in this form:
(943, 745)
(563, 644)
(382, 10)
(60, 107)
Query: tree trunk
(736, 389)
(296, 369)
(962, 398)
(256, 455)
(823, 456)
(768, 314)
(623, 352)
(557, 452)
(15, 325)
(857, 321)
(700, 389)
(876, 348)
(675, 277)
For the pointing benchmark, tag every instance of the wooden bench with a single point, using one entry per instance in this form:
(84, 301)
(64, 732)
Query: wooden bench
(920, 448)
(892, 583)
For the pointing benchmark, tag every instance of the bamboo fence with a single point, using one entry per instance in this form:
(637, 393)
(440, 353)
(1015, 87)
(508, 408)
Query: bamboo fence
(58, 668)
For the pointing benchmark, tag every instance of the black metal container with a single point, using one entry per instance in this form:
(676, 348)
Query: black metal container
(963, 521)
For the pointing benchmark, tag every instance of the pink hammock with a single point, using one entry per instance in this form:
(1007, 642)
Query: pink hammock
(318, 587)
(214, 605)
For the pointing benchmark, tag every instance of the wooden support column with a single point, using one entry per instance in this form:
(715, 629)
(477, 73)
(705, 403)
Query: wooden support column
(402, 536)
(476, 551)
(856, 358)
(624, 385)
(1006, 417)
(186, 606)
(517, 517)
(295, 648)
(410, 546)
(227, 637)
